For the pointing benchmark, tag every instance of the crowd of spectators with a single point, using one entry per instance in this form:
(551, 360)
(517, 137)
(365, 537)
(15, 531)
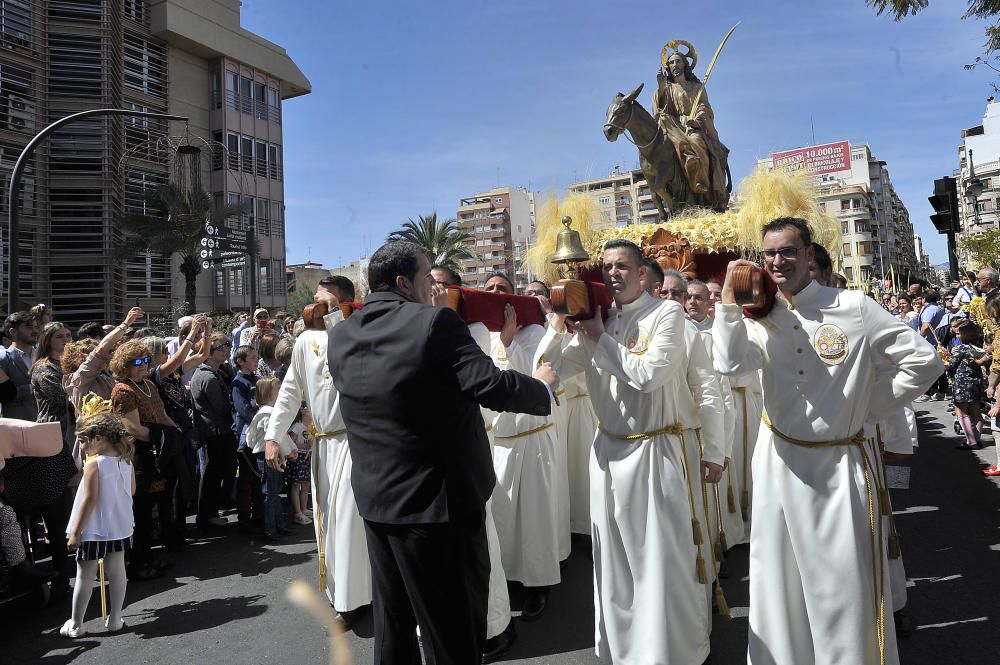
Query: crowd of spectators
(190, 404)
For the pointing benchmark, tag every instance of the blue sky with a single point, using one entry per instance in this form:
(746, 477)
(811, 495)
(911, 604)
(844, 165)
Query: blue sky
(415, 105)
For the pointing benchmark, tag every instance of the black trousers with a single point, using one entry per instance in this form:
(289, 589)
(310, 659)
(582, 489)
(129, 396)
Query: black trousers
(434, 575)
(221, 468)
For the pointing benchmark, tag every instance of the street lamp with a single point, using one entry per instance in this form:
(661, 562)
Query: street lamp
(14, 201)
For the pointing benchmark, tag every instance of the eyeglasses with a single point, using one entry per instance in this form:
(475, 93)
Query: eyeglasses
(785, 252)
(675, 293)
(222, 346)
(142, 361)
(534, 292)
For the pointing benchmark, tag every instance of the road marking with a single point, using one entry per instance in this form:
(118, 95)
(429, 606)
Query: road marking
(953, 623)
(916, 509)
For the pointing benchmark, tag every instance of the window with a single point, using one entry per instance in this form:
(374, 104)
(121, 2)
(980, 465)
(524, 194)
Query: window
(220, 282)
(17, 107)
(604, 200)
(498, 200)
(261, 159)
(134, 10)
(237, 281)
(232, 92)
(263, 218)
(845, 204)
(233, 149)
(274, 105)
(246, 95)
(845, 228)
(145, 65)
(75, 66)
(847, 249)
(246, 154)
(274, 161)
(259, 100)
(265, 282)
(218, 158)
(15, 23)
(277, 218)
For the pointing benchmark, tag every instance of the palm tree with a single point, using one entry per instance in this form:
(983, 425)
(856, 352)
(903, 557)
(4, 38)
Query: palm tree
(898, 8)
(176, 228)
(443, 242)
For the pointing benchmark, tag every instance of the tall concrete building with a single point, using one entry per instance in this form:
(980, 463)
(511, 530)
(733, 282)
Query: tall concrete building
(501, 222)
(978, 179)
(623, 197)
(856, 189)
(184, 57)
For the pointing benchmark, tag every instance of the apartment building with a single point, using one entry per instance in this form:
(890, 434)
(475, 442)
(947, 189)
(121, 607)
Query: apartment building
(623, 198)
(184, 57)
(501, 222)
(978, 179)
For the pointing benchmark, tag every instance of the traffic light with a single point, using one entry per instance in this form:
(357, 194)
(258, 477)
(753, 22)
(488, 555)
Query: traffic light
(945, 204)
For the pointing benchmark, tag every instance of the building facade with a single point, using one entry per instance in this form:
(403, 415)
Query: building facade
(623, 198)
(878, 238)
(979, 163)
(183, 57)
(501, 223)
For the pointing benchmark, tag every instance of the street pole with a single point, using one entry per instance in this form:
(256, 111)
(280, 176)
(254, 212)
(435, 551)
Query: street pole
(254, 276)
(13, 198)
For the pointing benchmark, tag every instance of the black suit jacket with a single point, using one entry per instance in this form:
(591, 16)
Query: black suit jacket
(411, 380)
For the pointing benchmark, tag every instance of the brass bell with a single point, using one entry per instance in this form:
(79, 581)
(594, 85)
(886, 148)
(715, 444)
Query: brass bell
(569, 247)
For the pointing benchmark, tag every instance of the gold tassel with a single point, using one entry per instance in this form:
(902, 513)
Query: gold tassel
(720, 551)
(321, 549)
(745, 505)
(884, 503)
(696, 526)
(720, 600)
(104, 596)
(894, 545)
(731, 499)
(722, 541)
(702, 571)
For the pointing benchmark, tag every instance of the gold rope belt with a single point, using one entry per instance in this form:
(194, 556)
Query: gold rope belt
(524, 434)
(745, 494)
(676, 429)
(579, 396)
(560, 392)
(327, 435)
(872, 477)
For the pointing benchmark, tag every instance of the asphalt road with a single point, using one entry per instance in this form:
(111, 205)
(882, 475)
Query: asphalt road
(223, 601)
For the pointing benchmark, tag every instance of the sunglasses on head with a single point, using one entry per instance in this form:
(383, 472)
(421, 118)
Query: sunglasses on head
(142, 361)
(219, 347)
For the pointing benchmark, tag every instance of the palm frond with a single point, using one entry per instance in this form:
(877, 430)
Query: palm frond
(899, 9)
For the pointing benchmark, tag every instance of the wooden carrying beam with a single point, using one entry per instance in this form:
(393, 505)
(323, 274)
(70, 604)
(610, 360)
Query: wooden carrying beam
(486, 307)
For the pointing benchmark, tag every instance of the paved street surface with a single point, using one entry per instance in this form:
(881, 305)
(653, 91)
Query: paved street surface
(224, 600)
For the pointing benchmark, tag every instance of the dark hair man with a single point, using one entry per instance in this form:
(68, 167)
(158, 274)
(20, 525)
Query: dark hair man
(822, 267)
(92, 330)
(654, 277)
(636, 367)
(16, 361)
(698, 303)
(338, 286)
(828, 359)
(499, 282)
(421, 475)
(445, 276)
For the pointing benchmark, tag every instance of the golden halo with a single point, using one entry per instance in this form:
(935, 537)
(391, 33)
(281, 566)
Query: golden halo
(692, 52)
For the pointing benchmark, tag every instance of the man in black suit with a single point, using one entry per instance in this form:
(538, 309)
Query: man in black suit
(411, 381)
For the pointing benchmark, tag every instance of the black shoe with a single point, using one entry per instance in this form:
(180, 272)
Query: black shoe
(351, 617)
(497, 645)
(535, 600)
(904, 624)
(724, 569)
(563, 565)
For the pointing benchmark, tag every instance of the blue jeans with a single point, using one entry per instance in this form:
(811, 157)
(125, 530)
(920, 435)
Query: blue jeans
(274, 481)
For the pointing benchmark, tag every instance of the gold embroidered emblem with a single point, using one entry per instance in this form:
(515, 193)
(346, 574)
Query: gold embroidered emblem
(501, 353)
(637, 341)
(830, 343)
(315, 347)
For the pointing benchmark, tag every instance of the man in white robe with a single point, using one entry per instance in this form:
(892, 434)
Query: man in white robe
(818, 565)
(648, 601)
(340, 530)
(525, 501)
(723, 500)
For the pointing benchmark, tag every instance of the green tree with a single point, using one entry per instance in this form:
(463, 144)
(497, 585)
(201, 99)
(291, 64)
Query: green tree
(981, 9)
(983, 247)
(297, 301)
(443, 242)
(176, 226)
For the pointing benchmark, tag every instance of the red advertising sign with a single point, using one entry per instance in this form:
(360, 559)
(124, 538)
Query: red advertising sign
(818, 159)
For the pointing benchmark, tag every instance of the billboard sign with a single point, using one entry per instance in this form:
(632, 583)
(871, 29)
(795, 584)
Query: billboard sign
(817, 159)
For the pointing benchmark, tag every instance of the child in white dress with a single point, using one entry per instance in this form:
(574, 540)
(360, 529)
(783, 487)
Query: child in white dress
(101, 524)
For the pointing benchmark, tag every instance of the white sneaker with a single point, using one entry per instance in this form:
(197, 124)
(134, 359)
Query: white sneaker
(302, 518)
(69, 630)
(308, 513)
(922, 398)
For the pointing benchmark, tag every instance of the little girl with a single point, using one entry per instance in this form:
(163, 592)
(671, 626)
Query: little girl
(298, 473)
(274, 518)
(100, 526)
(968, 384)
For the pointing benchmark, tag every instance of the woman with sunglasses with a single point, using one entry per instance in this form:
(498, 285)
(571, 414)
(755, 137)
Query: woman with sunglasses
(136, 400)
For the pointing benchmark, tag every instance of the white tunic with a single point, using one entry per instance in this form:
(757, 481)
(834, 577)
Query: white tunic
(581, 427)
(748, 404)
(648, 603)
(335, 511)
(816, 589)
(525, 459)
